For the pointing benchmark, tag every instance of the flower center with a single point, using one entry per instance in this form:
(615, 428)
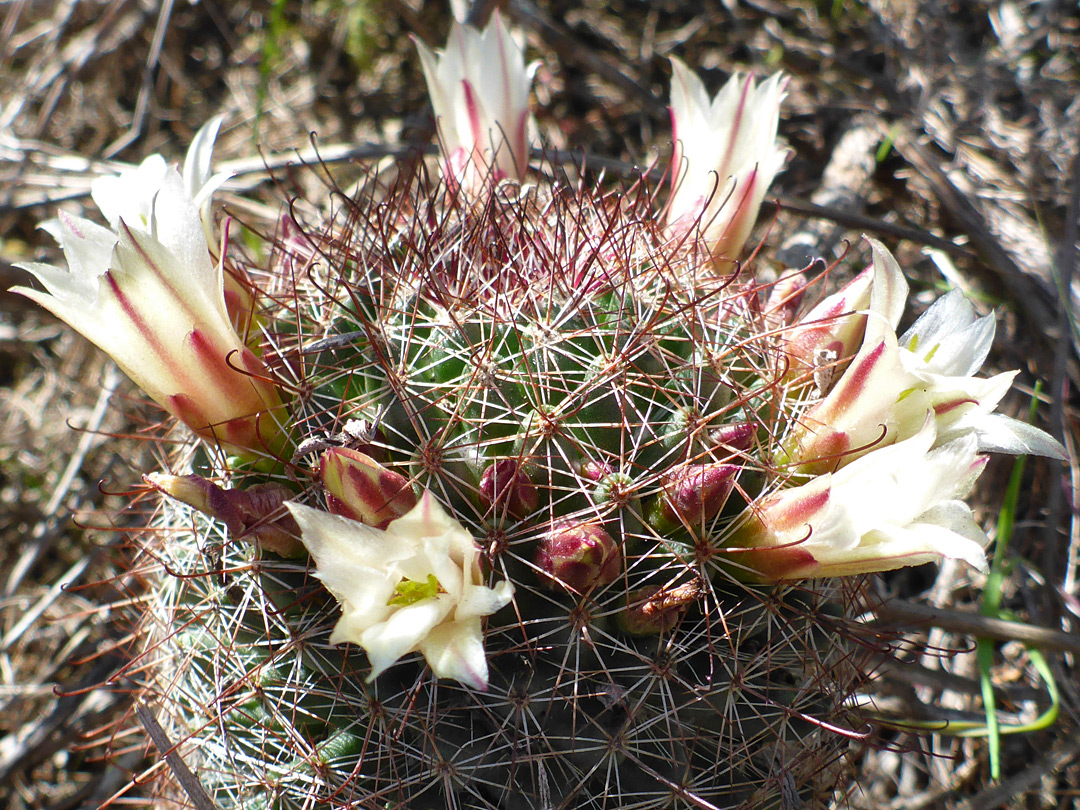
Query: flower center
(409, 592)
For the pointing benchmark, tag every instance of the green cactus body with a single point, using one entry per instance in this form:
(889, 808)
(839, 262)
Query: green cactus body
(564, 340)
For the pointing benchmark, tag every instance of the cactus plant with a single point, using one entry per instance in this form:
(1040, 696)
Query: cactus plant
(542, 388)
(524, 482)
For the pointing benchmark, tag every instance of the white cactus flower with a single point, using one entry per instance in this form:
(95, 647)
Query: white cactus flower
(415, 586)
(726, 156)
(152, 298)
(892, 385)
(479, 88)
(897, 506)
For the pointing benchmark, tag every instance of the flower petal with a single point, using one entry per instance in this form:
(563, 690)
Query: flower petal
(725, 157)
(948, 337)
(998, 433)
(402, 632)
(199, 180)
(344, 549)
(129, 196)
(888, 296)
(456, 650)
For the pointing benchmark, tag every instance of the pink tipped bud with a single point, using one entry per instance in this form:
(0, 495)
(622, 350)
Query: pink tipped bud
(256, 513)
(693, 494)
(737, 436)
(360, 488)
(651, 610)
(506, 486)
(578, 556)
(595, 471)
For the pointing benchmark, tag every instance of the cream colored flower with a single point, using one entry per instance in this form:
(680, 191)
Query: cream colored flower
(726, 156)
(894, 507)
(479, 88)
(151, 297)
(415, 586)
(893, 384)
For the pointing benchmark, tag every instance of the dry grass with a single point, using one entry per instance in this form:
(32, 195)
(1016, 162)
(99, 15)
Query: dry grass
(978, 101)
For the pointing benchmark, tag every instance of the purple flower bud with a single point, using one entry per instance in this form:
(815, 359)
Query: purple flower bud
(578, 556)
(737, 436)
(256, 513)
(505, 485)
(693, 494)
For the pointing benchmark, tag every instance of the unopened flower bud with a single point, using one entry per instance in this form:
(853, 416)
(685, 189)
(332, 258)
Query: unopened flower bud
(692, 495)
(506, 486)
(595, 470)
(578, 556)
(654, 610)
(360, 488)
(737, 436)
(255, 513)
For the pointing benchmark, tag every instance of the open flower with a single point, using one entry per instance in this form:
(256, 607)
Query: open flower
(943, 349)
(130, 195)
(415, 586)
(150, 296)
(894, 507)
(893, 384)
(479, 88)
(725, 157)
